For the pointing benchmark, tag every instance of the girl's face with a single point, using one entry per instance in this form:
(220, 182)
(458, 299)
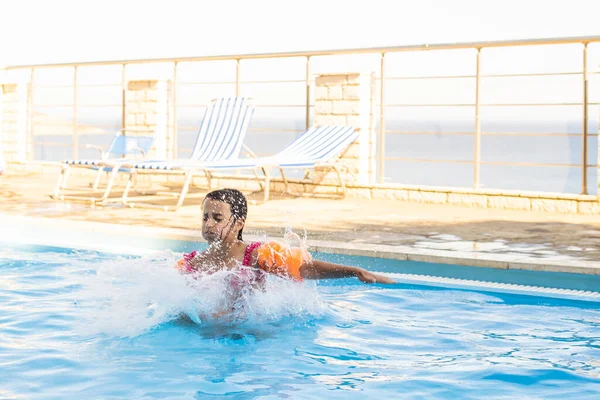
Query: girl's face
(218, 224)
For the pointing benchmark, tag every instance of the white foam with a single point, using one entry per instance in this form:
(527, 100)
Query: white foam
(127, 297)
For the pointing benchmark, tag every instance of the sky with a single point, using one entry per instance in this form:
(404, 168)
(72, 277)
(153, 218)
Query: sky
(37, 32)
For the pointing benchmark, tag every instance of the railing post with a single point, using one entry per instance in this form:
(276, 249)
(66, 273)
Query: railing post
(584, 146)
(75, 141)
(2, 134)
(123, 97)
(381, 166)
(30, 121)
(477, 158)
(307, 123)
(237, 77)
(174, 153)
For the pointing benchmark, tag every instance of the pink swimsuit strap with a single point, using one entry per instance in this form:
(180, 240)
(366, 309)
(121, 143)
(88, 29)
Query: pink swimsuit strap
(248, 253)
(188, 257)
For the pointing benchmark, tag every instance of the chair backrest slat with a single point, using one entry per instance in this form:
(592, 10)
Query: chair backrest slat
(321, 143)
(223, 129)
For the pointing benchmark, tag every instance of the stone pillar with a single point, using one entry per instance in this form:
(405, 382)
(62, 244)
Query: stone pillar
(2, 161)
(13, 122)
(349, 99)
(147, 112)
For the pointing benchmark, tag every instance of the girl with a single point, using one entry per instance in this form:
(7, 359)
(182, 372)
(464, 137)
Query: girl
(224, 216)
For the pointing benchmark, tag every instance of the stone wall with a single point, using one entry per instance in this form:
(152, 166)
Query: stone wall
(349, 99)
(148, 112)
(13, 122)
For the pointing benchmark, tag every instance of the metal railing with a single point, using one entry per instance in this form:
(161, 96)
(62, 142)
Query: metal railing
(383, 79)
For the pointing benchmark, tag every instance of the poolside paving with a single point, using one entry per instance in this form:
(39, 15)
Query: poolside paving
(463, 230)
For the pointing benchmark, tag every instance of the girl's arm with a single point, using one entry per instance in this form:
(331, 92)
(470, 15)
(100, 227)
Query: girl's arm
(317, 269)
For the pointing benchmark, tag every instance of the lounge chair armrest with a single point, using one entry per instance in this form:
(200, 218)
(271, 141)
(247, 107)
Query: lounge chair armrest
(140, 150)
(250, 152)
(100, 149)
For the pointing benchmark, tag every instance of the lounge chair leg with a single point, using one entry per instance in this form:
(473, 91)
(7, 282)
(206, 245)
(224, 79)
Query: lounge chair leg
(285, 181)
(208, 180)
(97, 180)
(189, 175)
(342, 181)
(132, 178)
(109, 185)
(66, 178)
(61, 181)
(258, 179)
(267, 187)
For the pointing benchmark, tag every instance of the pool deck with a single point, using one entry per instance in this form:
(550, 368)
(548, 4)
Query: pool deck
(447, 234)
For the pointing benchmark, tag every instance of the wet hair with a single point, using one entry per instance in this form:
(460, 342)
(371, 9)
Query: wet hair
(235, 199)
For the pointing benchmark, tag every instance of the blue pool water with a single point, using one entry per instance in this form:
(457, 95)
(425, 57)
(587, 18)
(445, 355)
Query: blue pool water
(83, 324)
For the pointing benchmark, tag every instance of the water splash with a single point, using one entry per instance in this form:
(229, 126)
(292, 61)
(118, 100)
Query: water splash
(127, 297)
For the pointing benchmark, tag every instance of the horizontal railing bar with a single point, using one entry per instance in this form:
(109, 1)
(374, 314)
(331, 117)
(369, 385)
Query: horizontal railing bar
(497, 163)
(424, 160)
(532, 104)
(392, 132)
(509, 134)
(256, 105)
(98, 105)
(387, 78)
(532, 74)
(303, 81)
(191, 83)
(59, 144)
(386, 49)
(488, 105)
(432, 105)
(44, 105)
(70, 125)
(65, 86)
(97, 85)
(53, 144)
(78, 105)
(37, 86)
(433, 77)
(526, 164)
(195, 128)
(533, 134)
(275, 130)
(516, 75)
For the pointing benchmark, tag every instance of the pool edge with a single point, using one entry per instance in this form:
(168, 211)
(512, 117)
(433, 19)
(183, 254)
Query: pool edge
(23, 225)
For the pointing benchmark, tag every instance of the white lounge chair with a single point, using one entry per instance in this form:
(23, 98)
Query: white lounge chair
(220, 139)
(123, 149)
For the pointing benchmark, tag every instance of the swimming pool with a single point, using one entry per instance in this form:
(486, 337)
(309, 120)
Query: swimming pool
(83, 323)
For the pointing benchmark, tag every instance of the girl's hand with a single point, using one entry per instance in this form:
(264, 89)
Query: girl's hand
(369, 277)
